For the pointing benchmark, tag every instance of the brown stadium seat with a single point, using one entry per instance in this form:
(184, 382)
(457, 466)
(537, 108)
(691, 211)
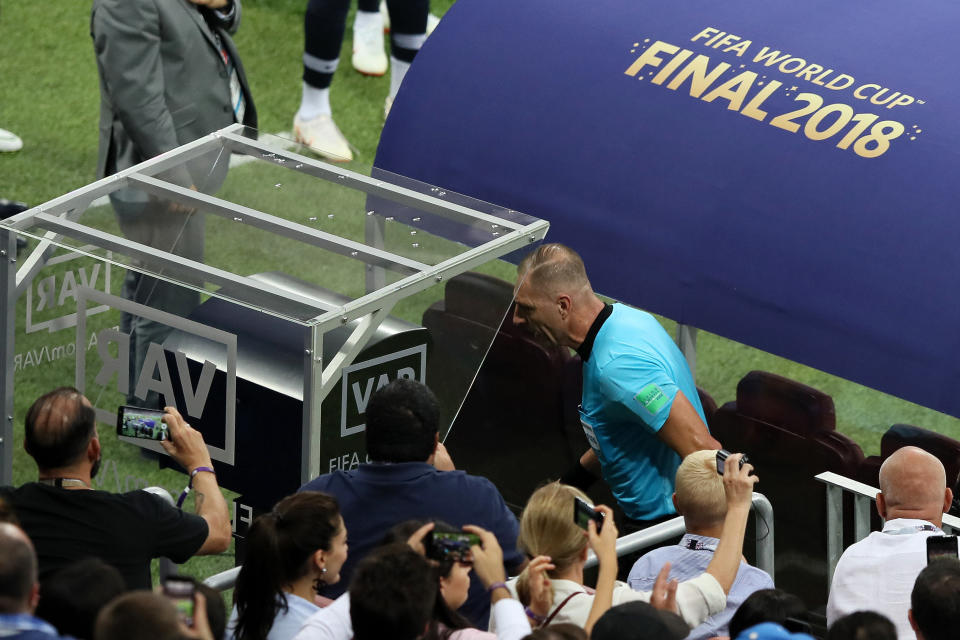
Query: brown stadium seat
(789, 432)
(708, 403)
(946, 449)
(513, 426)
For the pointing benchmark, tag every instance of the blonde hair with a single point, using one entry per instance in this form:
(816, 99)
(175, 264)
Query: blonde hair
(547, 529)
(700, 494)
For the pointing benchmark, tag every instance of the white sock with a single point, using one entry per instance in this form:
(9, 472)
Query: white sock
(372, 20)
(315, 102)
(398, 70)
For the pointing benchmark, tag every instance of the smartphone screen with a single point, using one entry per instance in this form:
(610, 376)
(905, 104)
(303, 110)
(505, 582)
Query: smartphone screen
(584, 513)
(138, 422)
(938, 546)
(442, 545)
(181, 592)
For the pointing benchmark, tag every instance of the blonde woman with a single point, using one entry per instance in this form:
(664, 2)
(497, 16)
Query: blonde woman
(547, 529)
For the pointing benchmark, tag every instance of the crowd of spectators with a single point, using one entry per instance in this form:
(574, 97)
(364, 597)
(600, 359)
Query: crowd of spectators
(54, 583)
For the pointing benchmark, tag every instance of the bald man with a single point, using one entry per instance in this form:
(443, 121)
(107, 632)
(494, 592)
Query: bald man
(877, 573)
(640, 410)
(19, 588)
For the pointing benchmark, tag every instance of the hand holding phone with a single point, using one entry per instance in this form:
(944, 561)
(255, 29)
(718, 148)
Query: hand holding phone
(941, 546)
(454, 546)
(723, 454)
(583, 512)
(181, 592)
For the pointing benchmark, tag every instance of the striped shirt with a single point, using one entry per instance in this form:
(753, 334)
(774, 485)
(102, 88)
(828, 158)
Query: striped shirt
(688, 559)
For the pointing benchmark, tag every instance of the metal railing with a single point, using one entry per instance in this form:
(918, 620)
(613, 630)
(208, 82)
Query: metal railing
(626, 544)
(223, 580)
(863, 497)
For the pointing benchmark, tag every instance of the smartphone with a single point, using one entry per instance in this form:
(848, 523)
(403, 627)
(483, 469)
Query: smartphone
(939, 546)
(723, 454)
(140, 422)
(455, 546)
(583, 512)
(181, 593)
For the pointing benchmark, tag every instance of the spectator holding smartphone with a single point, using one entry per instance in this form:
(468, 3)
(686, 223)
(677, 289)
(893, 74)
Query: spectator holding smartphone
(68, 520)
(700, 499)
(144, 615)
(547, 528)
(451, 562)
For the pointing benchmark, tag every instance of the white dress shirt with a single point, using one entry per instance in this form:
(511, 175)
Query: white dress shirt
(877, 573)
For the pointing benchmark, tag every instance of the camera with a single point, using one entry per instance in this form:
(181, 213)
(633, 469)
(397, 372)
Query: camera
(723, 454)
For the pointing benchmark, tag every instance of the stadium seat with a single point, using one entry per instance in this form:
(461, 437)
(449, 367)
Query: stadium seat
(514, 425)
(946, 449)
(708, 403)
(788, 430)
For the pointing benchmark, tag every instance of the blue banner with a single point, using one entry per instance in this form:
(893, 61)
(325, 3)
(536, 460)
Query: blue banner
(783, 174)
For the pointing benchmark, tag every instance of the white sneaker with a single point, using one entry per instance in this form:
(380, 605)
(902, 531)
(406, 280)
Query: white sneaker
(322, 135)
(432, 20)
(369, 55)
(9, 141)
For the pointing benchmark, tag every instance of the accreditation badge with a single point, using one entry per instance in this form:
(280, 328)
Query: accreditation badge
(589, 433)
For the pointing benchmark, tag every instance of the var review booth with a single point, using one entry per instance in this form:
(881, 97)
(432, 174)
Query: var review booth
(265, 294)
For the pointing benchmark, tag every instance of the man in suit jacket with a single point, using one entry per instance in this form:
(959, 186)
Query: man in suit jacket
(169, 74)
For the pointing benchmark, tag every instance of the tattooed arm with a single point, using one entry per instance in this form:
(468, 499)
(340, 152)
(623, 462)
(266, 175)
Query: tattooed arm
(186, 446)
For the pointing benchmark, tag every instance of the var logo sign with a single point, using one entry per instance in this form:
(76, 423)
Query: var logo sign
(361, 380)
(50, 296)
(155, 374)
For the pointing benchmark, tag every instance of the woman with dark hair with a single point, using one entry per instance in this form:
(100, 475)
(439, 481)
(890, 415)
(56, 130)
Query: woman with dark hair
(291, 552)
(453, 578)
(452, 574)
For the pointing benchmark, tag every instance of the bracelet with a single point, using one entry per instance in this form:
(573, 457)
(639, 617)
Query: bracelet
(533, 616)
(496, 585)
(186, 489)
(194, 473)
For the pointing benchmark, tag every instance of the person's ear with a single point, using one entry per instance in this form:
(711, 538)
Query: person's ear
(947, 499)
(319, 559)
(913, 624)
(564, 304)
(676, 505)
(34, 598)
(433, 452)
(881, 506)
(93, 449)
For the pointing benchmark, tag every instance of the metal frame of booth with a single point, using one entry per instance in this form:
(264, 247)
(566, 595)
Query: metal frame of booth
(60, 217)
